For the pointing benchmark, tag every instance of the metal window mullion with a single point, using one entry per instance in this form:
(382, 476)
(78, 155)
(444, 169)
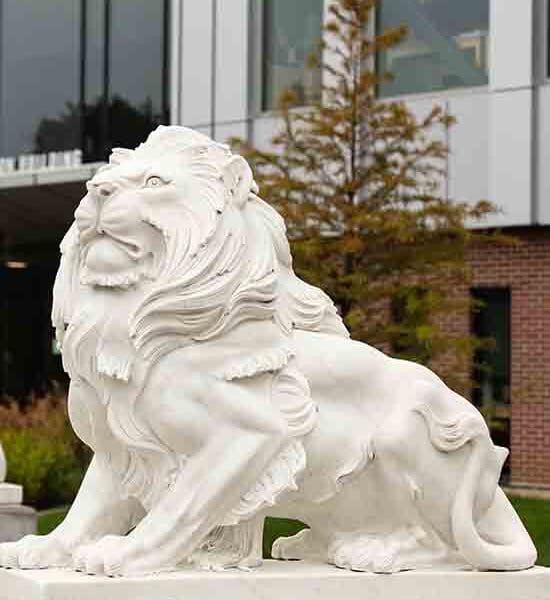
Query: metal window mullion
(106, 75)
(166, 45)
(82, 74)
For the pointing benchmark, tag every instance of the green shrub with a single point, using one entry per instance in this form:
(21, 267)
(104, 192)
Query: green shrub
(42, 452)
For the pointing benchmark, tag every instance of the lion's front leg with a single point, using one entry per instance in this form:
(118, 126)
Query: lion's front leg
(98, 509)
(226, 433)
(211, 484)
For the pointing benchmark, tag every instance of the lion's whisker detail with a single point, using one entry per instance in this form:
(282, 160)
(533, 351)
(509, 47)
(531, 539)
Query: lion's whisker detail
(215, 387)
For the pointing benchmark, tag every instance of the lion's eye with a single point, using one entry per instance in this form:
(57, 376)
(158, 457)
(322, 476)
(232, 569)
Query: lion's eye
(154, 181)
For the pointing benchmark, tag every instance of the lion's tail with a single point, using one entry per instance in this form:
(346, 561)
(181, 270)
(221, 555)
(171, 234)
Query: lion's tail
(515, 549)
(519, 551)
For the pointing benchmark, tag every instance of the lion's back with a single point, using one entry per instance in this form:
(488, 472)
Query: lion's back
(346, 371)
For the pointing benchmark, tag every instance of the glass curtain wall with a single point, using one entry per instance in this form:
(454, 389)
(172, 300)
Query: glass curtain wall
(39, 74)
(446, 46)
(291, 32)
(81, 74)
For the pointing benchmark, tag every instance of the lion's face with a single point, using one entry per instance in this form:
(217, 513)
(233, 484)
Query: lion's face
(176, 222)
(119, 244)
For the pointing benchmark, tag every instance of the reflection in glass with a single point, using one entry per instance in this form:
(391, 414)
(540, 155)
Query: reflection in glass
(446, 46)
(136, 70)
(94, 50)
(87, 74)
(39, 74)
(125, 90)
(291, 32)
(492, 372)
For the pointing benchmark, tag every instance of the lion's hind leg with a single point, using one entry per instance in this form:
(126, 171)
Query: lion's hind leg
(232, 546)
(484, 527)
(307, 543)
(408, 547)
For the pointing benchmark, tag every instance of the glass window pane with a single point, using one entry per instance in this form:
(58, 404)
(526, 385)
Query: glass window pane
(446, 46)
(39, 76)
(95, 135)
(491, 322)
(291, 32)
(136, 69)
(94, 50)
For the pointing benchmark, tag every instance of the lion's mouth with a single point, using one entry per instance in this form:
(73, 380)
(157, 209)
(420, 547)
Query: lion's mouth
(113, 262)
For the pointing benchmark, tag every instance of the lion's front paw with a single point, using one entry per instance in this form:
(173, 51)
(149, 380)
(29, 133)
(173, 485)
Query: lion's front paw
(117, 556)
(34, 552)
(105, 556)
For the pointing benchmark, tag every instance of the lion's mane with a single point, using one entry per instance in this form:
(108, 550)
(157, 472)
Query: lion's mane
(223, 264)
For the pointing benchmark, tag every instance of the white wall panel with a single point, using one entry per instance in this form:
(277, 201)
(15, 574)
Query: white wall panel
(469, 144)
(196, 62)
(176, 22)
(264, 128)
(543, 157)
(231, 85)
(224, 131)
(421, 107)
(511, 40)
(510, 156)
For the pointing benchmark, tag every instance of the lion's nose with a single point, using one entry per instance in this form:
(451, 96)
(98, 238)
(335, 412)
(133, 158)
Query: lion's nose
(101, 190)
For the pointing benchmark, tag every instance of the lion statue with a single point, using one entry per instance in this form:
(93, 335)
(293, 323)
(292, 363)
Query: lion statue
(216, 388)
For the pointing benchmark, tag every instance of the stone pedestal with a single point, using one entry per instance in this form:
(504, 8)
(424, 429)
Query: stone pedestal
(11, 493)
(278, 581)
(16, 521)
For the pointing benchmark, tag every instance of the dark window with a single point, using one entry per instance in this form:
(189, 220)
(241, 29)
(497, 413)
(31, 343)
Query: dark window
(491, 369)
(291, 33)
(27, 362)
(87, 74)
(446, 46)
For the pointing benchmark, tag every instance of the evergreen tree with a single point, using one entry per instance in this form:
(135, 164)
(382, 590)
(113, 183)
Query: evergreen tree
(360, 182)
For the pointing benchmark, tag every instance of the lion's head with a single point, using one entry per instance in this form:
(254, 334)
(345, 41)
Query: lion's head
(178, 218)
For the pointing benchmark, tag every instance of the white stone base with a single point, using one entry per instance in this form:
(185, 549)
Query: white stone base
(16, 521)
(11, 493)
(278, 581)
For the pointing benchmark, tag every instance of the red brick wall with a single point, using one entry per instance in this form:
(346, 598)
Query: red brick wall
(525, 269)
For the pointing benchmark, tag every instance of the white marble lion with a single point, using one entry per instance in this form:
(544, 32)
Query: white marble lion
(215, 388)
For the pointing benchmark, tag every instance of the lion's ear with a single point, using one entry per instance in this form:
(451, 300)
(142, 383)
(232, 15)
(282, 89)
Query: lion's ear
(237, 176)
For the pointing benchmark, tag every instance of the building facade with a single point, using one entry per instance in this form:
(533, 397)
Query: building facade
(80, 76)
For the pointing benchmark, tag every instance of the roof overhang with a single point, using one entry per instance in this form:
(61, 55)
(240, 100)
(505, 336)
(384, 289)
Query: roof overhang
(37, 207)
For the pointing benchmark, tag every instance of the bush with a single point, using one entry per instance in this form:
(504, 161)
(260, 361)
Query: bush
(42, 452)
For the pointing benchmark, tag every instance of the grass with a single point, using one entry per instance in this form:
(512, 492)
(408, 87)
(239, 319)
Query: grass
(50, 519)
(534, 513)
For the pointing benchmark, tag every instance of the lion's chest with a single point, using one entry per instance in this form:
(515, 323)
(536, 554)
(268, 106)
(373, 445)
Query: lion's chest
(97, 345)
